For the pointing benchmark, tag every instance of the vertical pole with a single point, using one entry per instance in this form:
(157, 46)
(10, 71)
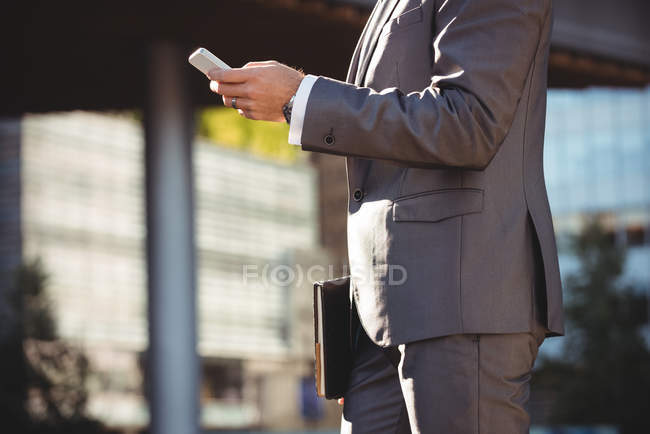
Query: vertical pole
(173, 375)
(13, 379)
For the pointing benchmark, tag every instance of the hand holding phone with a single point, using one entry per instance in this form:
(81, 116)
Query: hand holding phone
(205, 61)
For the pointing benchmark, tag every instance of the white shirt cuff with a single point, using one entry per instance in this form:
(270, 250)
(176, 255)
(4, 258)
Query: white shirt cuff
(299, 109)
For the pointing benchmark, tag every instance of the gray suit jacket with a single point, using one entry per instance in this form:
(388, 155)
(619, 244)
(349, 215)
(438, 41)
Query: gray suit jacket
(442, 121)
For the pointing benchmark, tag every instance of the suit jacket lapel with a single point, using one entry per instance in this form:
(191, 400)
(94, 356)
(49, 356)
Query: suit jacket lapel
(368, 48)
(354, 63)
(357, 168)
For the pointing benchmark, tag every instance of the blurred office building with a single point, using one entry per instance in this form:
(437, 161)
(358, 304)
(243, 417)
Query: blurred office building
(597, 165)
(73, 196)
(597, 162)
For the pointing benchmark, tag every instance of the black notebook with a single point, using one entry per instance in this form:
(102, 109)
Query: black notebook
(332, 336)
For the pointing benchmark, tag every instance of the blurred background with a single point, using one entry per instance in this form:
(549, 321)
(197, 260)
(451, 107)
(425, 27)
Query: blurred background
(157, 250)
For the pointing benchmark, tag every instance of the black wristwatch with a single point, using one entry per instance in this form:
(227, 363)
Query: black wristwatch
(286, 109)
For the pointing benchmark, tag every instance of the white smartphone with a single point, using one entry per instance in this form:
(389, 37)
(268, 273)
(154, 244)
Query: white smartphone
(205, 61)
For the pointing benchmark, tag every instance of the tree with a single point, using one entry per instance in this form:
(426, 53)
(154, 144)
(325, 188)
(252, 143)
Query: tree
(603, 376)
(42, 378)
(225, 127)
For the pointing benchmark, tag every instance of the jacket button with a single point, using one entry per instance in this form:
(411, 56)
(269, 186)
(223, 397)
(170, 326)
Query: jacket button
(357, 195)
(329, 139)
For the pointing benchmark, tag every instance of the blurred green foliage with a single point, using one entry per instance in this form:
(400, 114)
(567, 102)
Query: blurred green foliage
(603, 376)
(225, 127)
(42, 378)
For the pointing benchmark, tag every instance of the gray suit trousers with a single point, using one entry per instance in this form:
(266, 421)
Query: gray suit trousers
(458, 384)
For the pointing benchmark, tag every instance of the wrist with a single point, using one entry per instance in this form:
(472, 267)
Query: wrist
(288, 108)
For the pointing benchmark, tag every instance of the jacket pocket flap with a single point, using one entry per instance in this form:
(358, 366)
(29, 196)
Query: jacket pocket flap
(433, 206)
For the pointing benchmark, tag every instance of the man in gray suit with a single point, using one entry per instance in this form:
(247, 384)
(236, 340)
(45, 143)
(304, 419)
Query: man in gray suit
(442, 123)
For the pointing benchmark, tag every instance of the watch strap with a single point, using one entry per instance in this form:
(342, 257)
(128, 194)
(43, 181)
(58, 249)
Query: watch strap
(287, 108)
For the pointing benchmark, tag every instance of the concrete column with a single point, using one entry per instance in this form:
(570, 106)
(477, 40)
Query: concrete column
(173, 368)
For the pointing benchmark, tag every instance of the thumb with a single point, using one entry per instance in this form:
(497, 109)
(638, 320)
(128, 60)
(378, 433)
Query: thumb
(260, 63)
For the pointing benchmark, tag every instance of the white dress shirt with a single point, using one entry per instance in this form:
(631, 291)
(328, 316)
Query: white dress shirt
(299, 109)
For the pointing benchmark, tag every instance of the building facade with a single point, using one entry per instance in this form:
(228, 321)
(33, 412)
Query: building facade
(597, 164)
(73, 197)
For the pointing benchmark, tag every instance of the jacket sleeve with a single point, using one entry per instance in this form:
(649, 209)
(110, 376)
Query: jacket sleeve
(483, 50)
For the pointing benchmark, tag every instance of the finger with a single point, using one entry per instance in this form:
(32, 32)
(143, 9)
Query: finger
(260, 63)
(229, 89)
(247, 114)
(234, 75)
(241, 103)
